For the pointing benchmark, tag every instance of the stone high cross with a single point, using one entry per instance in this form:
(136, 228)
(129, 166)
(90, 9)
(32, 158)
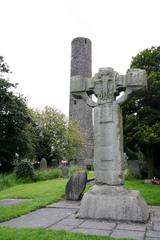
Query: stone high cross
(108, 136)
(106, 85)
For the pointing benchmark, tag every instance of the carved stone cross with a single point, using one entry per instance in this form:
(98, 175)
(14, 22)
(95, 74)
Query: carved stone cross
(109, 199)
(108, 146)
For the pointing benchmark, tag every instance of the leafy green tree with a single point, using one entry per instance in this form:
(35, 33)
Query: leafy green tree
(142, 113)
(14, 119)
(75, 141)
(54, 137)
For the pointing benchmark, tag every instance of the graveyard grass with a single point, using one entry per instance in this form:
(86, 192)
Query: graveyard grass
(46, 192)
(41, 234)
(41, 194)
(150, 192)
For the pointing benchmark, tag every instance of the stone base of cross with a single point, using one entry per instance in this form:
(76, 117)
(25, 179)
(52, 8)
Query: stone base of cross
(113, 203)
(108, 199)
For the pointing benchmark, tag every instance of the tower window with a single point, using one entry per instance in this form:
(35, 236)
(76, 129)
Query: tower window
(85, 40)
(75, 101)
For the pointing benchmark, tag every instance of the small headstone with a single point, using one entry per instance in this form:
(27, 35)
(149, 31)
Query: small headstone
(148, 181)
(65, 171)
(43, 164)
(75, 186)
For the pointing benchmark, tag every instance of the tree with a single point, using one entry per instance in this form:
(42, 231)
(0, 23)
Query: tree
(14, 119)
(75, 141)
(54, 137)
(142, 113)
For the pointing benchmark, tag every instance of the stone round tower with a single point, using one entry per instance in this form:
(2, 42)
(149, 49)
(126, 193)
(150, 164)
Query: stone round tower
(81, 64)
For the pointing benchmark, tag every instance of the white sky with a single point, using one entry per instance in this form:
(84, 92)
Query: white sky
(36, 40)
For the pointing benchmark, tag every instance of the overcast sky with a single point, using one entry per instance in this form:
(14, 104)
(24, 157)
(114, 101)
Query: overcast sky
(36, 40)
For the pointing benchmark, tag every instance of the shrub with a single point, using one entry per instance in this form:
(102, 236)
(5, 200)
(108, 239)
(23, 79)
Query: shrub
(24, 170)
(52, 173)
(129, 174)
(7, 181)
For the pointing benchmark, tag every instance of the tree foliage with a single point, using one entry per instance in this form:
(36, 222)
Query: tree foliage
(32, 133)
(14, 119)
(54, 137)
(142, 112)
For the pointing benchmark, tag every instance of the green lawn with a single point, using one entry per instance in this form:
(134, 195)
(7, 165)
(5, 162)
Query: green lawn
(45, 192)
(150, 192)
(41, 193)
(42, 234)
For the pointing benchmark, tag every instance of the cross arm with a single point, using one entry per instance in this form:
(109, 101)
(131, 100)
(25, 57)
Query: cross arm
(82, 87)
(134, 80)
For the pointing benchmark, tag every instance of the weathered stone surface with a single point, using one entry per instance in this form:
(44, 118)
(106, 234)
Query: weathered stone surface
(148, 181)
(61, 227)
(65, 204)
(91, 231)
(128, 234)
(62, 216)
(153, 234)
(44, 217)
(156, 226)
(12, 201)
(132, 226)
(75, 186)
(72, 222)
(108, 199)
(65, 171)
(103, 225)
(81, 64)
(113, 203)
(108, 151)
(43, 164)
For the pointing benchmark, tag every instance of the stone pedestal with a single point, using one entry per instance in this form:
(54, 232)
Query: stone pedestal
(113, 203)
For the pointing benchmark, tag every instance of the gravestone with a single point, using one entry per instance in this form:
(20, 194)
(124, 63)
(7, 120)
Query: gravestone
(109, 199)
(43, 164)
(75, 186)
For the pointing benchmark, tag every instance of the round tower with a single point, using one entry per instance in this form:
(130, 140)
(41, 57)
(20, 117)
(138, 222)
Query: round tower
(81, 64)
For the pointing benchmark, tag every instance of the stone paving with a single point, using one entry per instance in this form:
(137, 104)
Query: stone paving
(12, 201)
(61, 215)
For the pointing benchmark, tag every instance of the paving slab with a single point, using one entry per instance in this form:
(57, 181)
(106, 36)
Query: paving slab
(41, 218)
(155, 210)
(132, 227)
(153, 234)
(155, 219)
(62, 215)
(156, 226)
(71, 222)
(12, 201)
(61, 227)
(148, 238)
(128, 234)
(101, 225)
(66, 204)
(92, 231)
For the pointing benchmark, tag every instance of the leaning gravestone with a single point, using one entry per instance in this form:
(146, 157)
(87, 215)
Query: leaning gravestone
(75, 186)
(109, 199)
(43, 164)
